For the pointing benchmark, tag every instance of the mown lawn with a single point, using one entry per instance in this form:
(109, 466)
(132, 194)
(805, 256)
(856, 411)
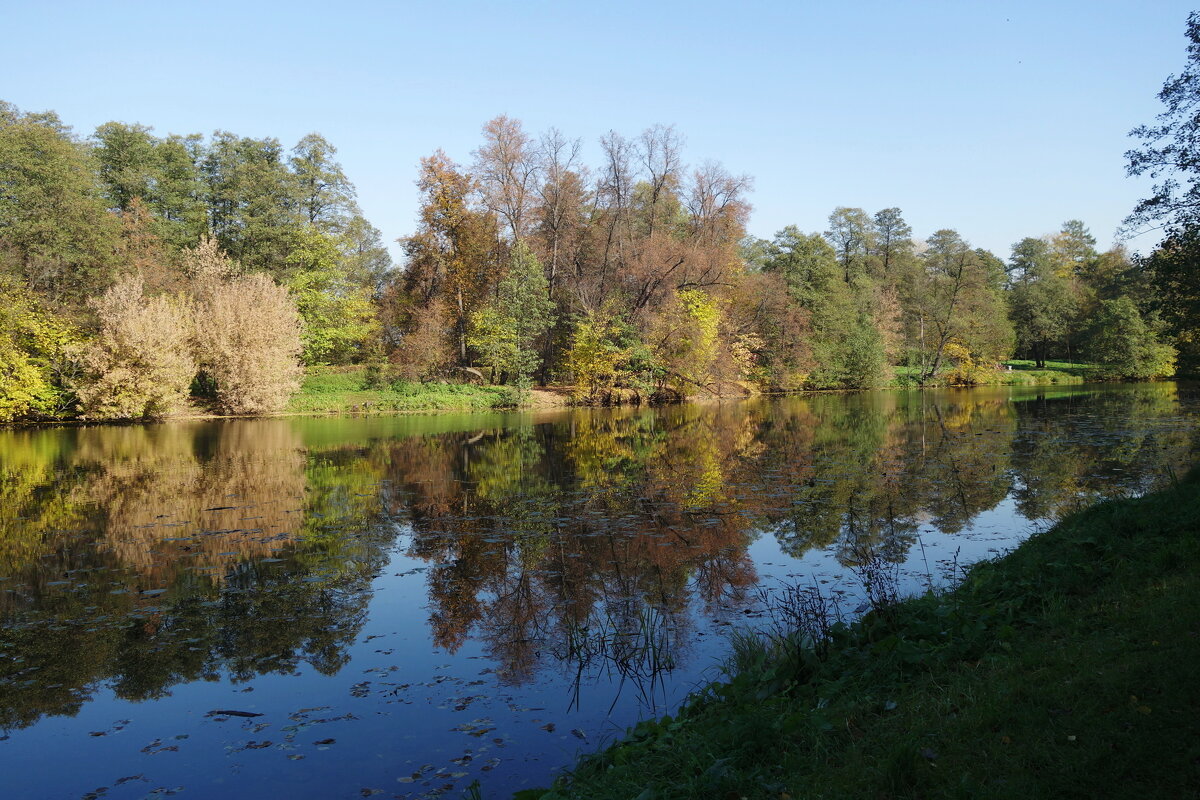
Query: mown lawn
(1069, 668)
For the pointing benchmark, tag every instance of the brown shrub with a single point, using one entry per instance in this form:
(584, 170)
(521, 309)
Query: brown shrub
(425, 351)
(248, 340)
(140, 364)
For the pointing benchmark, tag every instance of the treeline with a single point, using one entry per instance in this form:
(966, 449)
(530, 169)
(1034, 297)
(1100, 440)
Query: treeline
(138, 272)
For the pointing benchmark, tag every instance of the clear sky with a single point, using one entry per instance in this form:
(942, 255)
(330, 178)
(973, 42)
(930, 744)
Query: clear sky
(998, 119)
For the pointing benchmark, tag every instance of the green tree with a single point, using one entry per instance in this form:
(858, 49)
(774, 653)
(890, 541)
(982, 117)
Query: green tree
(1042, 306)
(1127, 344)
(338, 315)
(847, 348)
(1170, 151)
(55, 231)
(1170, 155)
(852, 234)
(893, 254)
(163, 174)
(324, 194)
(957, 297)
(253, 200)
(127, 162)
(505, 331)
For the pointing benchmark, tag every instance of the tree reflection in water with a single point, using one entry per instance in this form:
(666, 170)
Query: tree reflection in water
(594, 543)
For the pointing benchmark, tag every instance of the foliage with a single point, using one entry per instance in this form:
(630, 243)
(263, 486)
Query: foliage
(958, 296)
(685, 341)
(424, 351)
(56, 234)
(140, 363)
(31, 343)
(593, 355)
(248, 334)
(338, 316)
(1168, 154)
(505, 331)
(1127, 345)
(347, 390)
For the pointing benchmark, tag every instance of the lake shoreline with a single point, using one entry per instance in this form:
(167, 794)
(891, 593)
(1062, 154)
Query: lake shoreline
(350, 400)
(1056, 670)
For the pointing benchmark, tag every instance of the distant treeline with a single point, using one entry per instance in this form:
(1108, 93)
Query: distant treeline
(138, 272)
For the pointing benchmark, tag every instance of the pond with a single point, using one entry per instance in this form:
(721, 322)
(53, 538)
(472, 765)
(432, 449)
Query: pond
(398, 606)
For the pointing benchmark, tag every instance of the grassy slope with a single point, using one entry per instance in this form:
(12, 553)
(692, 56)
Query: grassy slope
(342, 391)
(1070, 668)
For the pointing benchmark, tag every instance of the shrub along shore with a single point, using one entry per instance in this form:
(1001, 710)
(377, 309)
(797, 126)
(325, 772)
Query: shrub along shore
(363, 390)
(1065, 669)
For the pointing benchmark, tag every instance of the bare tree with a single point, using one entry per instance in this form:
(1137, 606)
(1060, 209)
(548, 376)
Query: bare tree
(507, 169)
(561, 194)
(660, 150)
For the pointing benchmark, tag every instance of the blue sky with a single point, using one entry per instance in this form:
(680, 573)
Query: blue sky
(1000, 120)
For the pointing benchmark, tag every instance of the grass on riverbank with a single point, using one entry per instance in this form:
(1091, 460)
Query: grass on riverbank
(342, 391)
(1023, 373)
(1066, 669)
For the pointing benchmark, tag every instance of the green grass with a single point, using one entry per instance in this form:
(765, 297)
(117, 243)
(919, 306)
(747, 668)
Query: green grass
(1069, 668)
(1022, 374)
(347, 391)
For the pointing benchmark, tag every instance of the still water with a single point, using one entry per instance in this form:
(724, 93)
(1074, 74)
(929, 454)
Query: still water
(397, 606)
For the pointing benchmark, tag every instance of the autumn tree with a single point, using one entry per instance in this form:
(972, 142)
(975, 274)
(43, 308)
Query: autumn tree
(507, 168)
(33, 343)
(560, 216)
(248, 333)
(452, 256)
(140, 363)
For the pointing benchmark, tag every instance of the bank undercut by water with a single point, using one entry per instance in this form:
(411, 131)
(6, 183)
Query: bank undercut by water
(1064, 669)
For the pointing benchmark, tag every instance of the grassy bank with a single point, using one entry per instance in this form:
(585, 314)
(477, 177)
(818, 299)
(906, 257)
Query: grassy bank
(1066, 669)
(356, 390)
(1023, 373)
(353, 390)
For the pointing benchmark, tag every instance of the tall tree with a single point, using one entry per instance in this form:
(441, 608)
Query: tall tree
(453, 253)
(851, 233)
(1170, 150)
(55, 231)
(560, 215)
(505, 330)
(893, 244)
(253, 200)
(324, 195)
(1042, 304)
(506, 166)
(957, 298)
(660, 150)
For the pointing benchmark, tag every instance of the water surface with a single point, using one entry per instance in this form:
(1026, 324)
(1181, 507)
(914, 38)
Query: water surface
(396, 606)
